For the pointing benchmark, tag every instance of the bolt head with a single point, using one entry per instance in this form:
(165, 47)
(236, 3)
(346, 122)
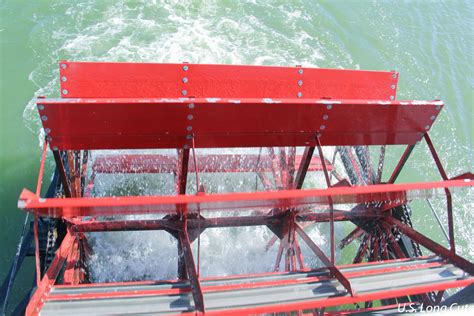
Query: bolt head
(65, 91)
(63, 78)
(300, 71)
(432, 117)
(394, 75)
(189, 128)
(427, 127)
(63, 66)
(392, 97)
(299, 95)
(185, 68)
(392, 87)
(40, 107)
(184, 92)
(185, 80)
(44, 118)
(329, 106)
(186, 146)
(47, 130)
(190, 117)
(191, 105)
(325, 117)
(438, 107)
(300, 83)
(189, 137)
(322, 127)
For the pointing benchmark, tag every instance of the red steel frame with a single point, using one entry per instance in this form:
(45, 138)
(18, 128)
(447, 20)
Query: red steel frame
(132, 89)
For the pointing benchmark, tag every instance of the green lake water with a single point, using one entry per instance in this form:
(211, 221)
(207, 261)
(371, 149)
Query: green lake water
(430, 43)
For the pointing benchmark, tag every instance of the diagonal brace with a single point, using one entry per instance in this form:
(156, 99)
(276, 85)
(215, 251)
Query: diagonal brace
(431, 245)
(332, 268)
(185, 247)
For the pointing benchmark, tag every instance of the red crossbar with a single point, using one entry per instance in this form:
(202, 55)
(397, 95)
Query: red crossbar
(71, 207)
(145, 80)
(216, 123)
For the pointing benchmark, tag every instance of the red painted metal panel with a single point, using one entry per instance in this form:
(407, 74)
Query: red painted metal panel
(159, 123)
(154, 163)
(145, 80)
(71, 207)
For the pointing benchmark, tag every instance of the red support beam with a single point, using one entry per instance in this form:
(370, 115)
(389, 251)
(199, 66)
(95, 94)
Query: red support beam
(401, 163)
(72, 273)
(48, 280)
(183, 240)
(183, 170)
(334, 270)
(292, 167)
(62, 173)
(431, 245)
(364, 245)
(449, 201)
(217, 222)
(356, 233)
(71, 207)
(303, 167)
(331, 206)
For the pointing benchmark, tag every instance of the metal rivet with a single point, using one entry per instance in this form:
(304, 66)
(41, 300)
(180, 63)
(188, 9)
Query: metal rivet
(49, 138)
(65, 91)
(433, 117)
(392, 97)
(300, 71)
(189, 128)
(394, 76)
(427, 127)
(329, 106)
(300, 82)
(186, 147)
(55, 148)
(191, 105)
(322, 127)
(438, 107)
(44, 118)
(63, 66)
(185, 80)
(47, 130)
(392, 86)
(325, 117)
(299, 94)
(40, 107)
(189, 137)
(185, 68)
(190, 117)
(184, 92)
(63, 78)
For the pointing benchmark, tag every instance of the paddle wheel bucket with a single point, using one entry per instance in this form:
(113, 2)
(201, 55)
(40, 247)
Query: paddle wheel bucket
(297, 115)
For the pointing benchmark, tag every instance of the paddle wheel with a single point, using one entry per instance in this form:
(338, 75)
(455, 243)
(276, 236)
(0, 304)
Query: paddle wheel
(328, 123)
